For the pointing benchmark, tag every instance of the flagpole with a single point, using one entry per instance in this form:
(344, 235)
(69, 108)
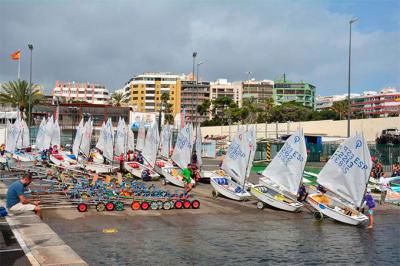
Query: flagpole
(19, 68)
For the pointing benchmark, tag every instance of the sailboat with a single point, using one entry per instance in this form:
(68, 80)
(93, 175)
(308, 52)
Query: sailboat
(149, 155)
(106, 140)
(281, 179)
(19, 140)
(230, 181)
(346, 175)
(181, 156)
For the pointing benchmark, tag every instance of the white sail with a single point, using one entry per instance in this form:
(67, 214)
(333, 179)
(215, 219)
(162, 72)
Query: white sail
(348, 170)
(165, 141)
(78, 139)
(198, 146)
(25, 134)
(131, 139)
(86, 137)
(151, 145)
(252, 142)
(141, 136)
(286, 169)
(56, 136)
(178, 121)
(183, 147)
(108, 141)
(40, 136)
(236, 158)
(18, 126)
(48, 133)
(120, 138)
(12, 135)
(100, 140)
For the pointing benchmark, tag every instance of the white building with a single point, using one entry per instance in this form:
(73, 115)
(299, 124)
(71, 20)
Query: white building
(84, 92)
(221, 87)
(324, 102)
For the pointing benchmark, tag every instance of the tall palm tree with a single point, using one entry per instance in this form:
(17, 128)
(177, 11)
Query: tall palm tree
(341, 108)
(16, 94)
(117, 98)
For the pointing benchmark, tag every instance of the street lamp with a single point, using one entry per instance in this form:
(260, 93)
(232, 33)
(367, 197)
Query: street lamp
(30, 46)
(348, 91)
(194, 62)
(197, 86)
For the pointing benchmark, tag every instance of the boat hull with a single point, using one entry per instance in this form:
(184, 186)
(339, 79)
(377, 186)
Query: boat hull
(137, 171)
(228, 190)
(100, 168)
(335, 213)
(275, 198)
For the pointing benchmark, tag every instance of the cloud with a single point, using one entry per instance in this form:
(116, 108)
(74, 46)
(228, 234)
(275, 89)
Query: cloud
(109, 42)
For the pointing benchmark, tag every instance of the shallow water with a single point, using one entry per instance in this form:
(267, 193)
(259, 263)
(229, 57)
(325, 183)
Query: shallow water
(237, 239)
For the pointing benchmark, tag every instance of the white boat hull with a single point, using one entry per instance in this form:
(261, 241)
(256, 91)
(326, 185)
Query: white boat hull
(336, 213)
(24, 157)
(275, 199)
(229, 188)
(100, 168)
(137, 172)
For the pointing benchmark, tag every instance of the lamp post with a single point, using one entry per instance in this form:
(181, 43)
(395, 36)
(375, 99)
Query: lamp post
(249, 73)
(348, 84)
(197, 86)
(30, 46)
(194, 62)
(192, 107)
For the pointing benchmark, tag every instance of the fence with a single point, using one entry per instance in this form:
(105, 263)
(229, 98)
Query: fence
(387, 154)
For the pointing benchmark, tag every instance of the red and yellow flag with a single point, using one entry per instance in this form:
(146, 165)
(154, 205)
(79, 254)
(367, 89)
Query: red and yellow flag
(16, 55)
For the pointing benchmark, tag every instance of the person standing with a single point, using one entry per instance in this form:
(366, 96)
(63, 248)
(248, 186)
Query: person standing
(370, 202)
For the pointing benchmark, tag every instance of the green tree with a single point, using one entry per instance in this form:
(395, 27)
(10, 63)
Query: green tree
(117, 99)
(204, 107)
(252, 109)
(341, 108)
(168, 117)
(16, 94)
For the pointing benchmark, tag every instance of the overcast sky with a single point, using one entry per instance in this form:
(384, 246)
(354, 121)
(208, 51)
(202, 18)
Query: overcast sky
(109, 42)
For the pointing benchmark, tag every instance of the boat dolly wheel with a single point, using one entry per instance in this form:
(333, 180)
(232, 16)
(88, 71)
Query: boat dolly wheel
(110, 206)
(82, 207)
(100, 207)
(319, 216)
(135, 205)
(195, 204)
(119, 206)
(260, 205)
(214, 193)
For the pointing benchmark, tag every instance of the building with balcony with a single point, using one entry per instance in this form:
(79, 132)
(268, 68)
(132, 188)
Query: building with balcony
(144, 91)
(259, 90)
(377, 104)
(222, 87)
(80, 92)
(194, 93)
(300, 92)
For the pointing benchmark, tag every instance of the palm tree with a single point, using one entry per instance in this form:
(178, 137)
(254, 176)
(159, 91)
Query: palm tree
(341, 108)
(117, 99)
(168, 117)
(16, 94)
(252, 108)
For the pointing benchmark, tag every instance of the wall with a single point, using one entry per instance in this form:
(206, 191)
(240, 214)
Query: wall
(371, 128)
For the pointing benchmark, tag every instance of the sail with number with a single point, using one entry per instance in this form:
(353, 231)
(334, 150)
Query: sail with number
(130, 139)
(165, 141)
(56, 135)
(120, 138)
(286, 169)
(183, 146)
(252, 142)
(100, 141)
(348, 170)
(40, 136)
(151, 145)
(141, 136)
(236, 158)
(108, 141)
(78, 139)
(86, 137)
